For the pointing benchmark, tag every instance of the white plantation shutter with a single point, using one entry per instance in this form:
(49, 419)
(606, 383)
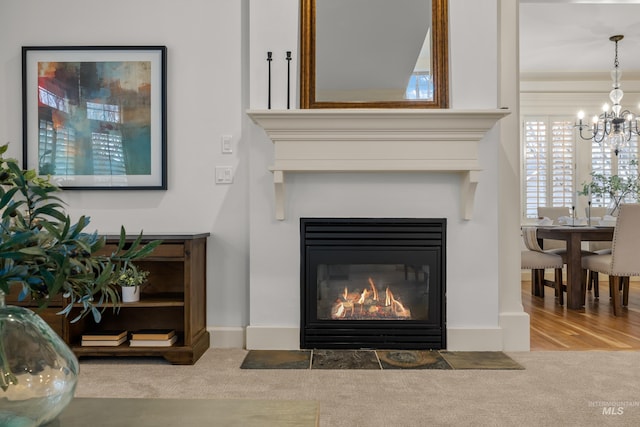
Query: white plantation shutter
(605, 162)
(46, 144)
(549, 159)
(65, 151)
(535, 170)
(600, 163)
(625, 168)
(108, 154)
(562, 162)
(56, 149)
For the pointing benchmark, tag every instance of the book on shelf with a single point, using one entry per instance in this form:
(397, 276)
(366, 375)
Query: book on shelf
(105, 335)
(103, 343)
(153, 334)
(153, 343)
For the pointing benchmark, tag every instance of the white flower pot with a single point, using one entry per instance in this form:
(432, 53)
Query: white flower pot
(130, 293)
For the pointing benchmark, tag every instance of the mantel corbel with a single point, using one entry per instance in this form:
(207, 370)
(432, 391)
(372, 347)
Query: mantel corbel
(377, 140)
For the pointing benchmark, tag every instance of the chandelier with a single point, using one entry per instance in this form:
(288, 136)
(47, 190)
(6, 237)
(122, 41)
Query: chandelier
(615, 126)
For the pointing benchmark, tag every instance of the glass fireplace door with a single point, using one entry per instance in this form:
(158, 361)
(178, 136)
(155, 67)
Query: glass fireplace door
(372, 283)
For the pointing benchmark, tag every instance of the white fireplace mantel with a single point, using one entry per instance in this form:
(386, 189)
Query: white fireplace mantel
(377, 140)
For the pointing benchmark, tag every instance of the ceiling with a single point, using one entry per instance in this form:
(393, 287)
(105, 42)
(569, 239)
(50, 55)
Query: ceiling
(573, 35)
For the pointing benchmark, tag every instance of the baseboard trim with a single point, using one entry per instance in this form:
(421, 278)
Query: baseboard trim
(480, 339)
(516, 331)
(458, 339)
(272, 338)
(226, 337)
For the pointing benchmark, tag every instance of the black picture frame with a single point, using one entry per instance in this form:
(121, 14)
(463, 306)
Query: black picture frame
(95, 117)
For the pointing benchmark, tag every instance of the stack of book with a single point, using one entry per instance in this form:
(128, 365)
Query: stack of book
(153, 338)
(108, 338)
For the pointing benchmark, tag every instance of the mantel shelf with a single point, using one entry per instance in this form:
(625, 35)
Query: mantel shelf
(377, 140)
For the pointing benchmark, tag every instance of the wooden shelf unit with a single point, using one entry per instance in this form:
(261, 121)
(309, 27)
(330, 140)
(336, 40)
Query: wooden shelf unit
(174, 297)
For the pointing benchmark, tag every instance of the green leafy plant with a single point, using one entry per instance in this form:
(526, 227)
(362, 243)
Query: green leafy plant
(617, 188)
(44, 253)
(48, 254)
(132, 276)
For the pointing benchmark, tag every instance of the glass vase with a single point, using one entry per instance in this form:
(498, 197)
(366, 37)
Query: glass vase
(38, 371)
(614, 206)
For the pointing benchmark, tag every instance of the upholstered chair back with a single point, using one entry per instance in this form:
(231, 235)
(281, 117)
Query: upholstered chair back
(553, 212)
(529, 235)
(625, 259)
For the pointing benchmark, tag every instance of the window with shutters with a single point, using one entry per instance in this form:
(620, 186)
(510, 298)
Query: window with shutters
(548, 163)
(603, 161)
(627, 165)
(108, 154)
(56, 149)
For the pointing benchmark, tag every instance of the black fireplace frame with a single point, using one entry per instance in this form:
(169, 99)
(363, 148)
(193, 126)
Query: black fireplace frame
(420, 235)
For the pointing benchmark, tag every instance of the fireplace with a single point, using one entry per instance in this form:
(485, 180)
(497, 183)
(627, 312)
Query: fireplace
(372, 283)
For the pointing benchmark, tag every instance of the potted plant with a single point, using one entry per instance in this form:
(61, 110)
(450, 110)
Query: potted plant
(616, 187)
(43, 254)
(130, 279)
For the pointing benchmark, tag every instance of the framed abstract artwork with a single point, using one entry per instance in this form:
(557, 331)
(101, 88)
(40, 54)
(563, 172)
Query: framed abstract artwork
(95, 117)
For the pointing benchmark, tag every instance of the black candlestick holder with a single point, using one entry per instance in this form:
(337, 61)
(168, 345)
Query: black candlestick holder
(269, 59)
(288, 79)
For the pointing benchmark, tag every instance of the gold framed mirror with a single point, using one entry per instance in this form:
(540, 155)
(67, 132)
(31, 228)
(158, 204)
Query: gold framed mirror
(408, 64)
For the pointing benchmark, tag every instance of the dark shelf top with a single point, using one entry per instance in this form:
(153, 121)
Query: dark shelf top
(158, 236)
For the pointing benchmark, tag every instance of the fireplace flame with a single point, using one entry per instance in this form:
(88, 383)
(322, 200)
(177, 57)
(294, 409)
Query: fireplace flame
(400, 309)
(363, 296)
(369, 306)
(397, 307)
(374, 291)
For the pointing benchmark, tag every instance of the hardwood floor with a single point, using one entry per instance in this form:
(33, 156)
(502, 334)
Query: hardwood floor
(593, 328)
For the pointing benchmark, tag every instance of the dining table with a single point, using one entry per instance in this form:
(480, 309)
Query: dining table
(574, 236)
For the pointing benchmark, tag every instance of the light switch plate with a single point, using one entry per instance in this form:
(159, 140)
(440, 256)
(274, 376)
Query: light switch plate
(224, 174)
(225, 144)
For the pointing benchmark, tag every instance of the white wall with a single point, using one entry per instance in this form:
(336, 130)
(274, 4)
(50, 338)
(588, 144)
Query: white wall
(274, 28)
(472, 253)
(213, 60)
(205, 100)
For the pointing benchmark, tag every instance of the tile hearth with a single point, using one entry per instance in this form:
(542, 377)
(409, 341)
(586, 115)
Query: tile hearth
(377, 359)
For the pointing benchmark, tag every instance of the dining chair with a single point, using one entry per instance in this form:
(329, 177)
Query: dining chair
(553, 213)
(598, 212)
(597, 248)
(536, 260)
(623, 261)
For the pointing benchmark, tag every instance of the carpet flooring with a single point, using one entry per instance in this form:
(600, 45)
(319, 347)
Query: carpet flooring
(562, 388)
(376, 359)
